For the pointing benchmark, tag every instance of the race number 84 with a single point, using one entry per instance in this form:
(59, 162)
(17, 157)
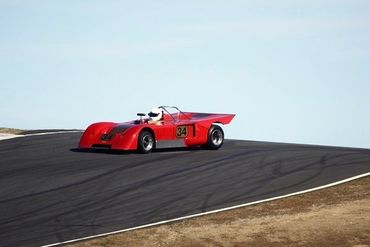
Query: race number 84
(182, 131)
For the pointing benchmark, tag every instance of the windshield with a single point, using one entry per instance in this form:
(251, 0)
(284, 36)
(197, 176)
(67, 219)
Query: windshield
(174, 112)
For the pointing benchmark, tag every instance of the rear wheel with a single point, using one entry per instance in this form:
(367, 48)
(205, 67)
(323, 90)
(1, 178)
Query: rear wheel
(146, 142)
(215, 137)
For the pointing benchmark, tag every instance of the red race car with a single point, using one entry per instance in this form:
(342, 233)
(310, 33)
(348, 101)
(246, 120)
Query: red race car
(166, 127)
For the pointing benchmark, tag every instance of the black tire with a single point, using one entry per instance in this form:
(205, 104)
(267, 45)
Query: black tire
(215, 137)
(146, 142)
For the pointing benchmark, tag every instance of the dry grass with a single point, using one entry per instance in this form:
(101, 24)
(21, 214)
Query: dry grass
(10, 130)
(338, 216)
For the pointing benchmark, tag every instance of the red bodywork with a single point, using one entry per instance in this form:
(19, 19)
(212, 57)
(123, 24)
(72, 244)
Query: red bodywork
(183, 130)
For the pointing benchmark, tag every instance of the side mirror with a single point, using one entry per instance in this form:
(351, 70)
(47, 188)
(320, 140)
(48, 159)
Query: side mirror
(141, 115)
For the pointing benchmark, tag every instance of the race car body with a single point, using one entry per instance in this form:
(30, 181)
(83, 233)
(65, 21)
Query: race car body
(174, 129)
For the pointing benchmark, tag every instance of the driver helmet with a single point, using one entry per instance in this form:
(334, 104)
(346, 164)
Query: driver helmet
(156, 114)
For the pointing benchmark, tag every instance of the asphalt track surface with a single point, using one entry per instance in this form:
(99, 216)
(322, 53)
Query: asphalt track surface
(51, 192)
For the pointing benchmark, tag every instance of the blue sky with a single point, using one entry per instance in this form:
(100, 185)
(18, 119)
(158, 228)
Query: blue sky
(292, 71)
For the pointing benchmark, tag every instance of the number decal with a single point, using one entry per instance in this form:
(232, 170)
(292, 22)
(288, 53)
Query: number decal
(181, 131)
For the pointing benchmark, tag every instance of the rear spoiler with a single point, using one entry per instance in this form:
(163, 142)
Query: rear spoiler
(214, 117)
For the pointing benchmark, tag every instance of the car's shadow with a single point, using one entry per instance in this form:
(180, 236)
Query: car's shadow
(123, 152)
(99, 151)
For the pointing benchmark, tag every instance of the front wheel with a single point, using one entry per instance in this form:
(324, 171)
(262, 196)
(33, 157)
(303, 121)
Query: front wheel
(146, 142)
(215, 137)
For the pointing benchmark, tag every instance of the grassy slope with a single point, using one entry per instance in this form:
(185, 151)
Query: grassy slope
(10, 130)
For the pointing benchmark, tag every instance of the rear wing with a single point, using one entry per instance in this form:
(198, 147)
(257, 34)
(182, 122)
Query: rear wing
(211, 117)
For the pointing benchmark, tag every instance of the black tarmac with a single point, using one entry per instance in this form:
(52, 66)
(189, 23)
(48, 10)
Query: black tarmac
(51, 192)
